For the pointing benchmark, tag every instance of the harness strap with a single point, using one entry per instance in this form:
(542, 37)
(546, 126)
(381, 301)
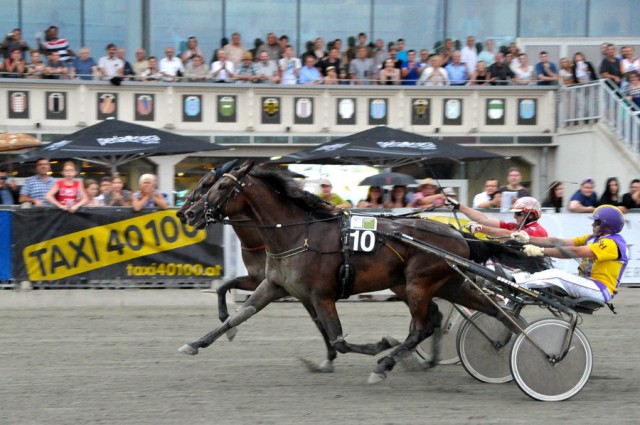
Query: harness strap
(394, 251)
(346, 273)
(290, 252)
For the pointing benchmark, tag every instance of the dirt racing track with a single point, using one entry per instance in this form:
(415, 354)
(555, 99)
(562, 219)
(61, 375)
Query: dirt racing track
(111, 357)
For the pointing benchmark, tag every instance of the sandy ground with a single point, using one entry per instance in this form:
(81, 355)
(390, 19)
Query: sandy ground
(119, 364)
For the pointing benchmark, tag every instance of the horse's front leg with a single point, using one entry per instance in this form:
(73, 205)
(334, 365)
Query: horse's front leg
(263, 295)
(327, 365)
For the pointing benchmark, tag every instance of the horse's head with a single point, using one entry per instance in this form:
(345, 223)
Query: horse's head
(202, 187)
(214, 205)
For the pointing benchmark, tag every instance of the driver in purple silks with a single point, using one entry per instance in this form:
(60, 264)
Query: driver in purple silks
(604, 254)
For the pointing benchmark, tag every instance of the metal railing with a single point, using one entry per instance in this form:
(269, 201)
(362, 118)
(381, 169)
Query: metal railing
(599, 101)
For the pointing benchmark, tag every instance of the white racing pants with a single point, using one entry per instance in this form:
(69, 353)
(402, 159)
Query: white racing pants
(574, 286)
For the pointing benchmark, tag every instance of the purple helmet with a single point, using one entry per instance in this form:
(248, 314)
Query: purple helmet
(611, 218)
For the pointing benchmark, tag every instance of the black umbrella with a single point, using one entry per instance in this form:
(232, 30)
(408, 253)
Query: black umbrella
(388, 179)
(384, 147)
(113, 142)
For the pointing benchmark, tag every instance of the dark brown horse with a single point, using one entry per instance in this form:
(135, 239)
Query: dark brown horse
(254, 258)
(306, 249)
(252, 247)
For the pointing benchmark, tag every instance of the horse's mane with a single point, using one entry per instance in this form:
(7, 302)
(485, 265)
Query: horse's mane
(288, 188)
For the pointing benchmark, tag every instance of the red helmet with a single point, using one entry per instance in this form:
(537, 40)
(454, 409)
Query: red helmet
(529, 205)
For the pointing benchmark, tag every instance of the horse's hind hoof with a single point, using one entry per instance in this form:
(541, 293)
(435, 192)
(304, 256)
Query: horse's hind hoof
(326, 366)
(231, 333)
(187, 349)
(374, 378)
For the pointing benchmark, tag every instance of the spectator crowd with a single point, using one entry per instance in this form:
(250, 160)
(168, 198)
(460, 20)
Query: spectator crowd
(70, 194)
(361, 62)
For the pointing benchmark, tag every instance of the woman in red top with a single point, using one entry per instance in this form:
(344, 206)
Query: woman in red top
(68, 194)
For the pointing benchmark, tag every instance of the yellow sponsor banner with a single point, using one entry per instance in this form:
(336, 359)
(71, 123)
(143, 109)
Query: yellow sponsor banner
(112, 243)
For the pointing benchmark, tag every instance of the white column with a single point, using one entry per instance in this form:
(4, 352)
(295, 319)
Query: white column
(167, 172)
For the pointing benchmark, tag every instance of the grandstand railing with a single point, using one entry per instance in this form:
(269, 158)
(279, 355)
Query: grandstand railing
(598, 101)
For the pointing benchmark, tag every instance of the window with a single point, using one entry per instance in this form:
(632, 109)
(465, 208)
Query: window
(38, 15)
(256, 18)
(328, 19)
(173, 22)
(419, 25)
(553, 18)
(613, 18)
(112, 22)
(483, 19)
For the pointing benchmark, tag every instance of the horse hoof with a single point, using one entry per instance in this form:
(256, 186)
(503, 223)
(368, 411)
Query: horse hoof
(187, 349)
(391, 341)
(326, 366)
(231, 333)
(374, 378)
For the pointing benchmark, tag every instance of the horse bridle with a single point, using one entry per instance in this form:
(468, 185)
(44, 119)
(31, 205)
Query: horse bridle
(212, 211)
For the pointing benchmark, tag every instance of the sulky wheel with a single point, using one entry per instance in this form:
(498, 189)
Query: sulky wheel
(543, 378)
(451, 322)
(484, 345)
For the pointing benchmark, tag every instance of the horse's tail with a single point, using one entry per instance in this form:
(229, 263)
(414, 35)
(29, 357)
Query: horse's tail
(507, 254)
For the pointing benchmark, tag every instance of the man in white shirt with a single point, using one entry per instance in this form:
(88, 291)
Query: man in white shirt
(469, 55)
(223, 69)
(484, 199)
(289, 67)
(110, 66)
(170, 66)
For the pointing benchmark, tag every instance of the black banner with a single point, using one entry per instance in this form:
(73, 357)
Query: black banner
(527, 111)
(495, 112)
(452, 112)
(378, 112)
(56, 105)
(107, 106)
(346, 111)
(420, 111)
(227, 108)
(303, 110)
(18, 104)
(271, 108)
(192, 108)
(144, 107)
(111, 244)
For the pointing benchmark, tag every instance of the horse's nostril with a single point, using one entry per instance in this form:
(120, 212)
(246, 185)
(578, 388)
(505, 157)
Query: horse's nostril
(180, 215)
(190, 215)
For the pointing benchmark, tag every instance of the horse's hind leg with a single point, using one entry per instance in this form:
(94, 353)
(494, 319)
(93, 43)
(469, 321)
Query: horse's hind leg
(417, 334)
(263, 295)
(328, 317)
(245, 283)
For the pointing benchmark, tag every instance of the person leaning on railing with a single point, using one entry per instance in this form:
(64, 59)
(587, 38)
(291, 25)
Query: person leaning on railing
(196, 70)
(14, 66)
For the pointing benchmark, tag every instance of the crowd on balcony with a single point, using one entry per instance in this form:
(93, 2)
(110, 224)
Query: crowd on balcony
(361, 62)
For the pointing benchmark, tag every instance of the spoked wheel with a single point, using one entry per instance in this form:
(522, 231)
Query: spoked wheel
(536, 372)
(451, 322)
(484, 345)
